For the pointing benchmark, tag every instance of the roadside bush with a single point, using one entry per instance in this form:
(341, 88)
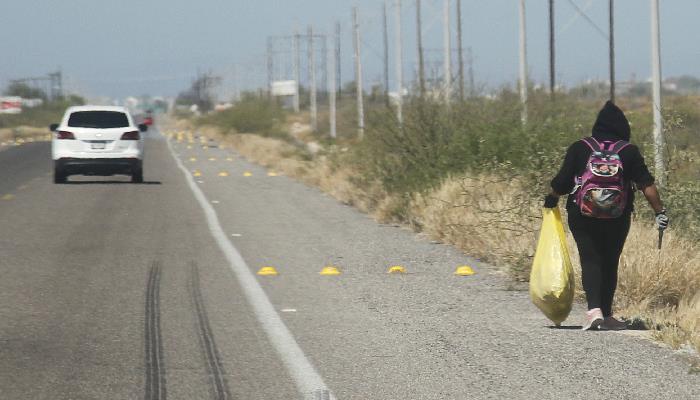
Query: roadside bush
(252, 114)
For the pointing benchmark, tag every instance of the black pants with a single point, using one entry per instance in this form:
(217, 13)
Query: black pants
(600, 243)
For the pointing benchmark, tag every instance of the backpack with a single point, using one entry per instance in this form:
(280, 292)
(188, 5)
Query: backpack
(601, 190)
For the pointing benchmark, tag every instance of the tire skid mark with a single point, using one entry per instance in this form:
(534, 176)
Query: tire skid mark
(215, 368)
(155, 366)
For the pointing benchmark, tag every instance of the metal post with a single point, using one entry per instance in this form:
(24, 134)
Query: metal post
(460, 51)
(448, 51)
(297, 70)
(358, 75)
(332, 92)
(552, 78)
(312, 78)
(612, 50)
(656, 89)
(421, 64)
(399, 64)
(523, 63)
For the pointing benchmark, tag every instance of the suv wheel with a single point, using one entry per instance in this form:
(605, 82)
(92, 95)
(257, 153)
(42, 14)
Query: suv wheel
(137, 176)
(59, 176)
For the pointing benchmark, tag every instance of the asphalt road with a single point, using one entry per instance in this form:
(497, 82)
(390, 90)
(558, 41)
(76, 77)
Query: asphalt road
(112, 290)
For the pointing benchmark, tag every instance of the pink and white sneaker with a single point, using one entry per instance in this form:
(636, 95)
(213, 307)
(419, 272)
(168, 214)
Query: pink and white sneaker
(594, 319)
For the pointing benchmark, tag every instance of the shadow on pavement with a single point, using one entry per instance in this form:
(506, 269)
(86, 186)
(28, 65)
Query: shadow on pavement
(111, 183)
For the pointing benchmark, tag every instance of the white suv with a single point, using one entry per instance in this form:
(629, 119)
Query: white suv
(97, 140)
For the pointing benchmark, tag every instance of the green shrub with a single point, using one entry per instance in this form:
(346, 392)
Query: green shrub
(252, 114)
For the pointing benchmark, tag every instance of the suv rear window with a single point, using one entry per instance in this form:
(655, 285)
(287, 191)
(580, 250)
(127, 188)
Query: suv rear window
(98, 119)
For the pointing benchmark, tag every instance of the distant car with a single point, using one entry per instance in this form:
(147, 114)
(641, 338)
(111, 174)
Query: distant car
(97, 140)
(148, 118)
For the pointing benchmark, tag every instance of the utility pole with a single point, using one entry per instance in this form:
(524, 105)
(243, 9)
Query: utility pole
(270, 67)
(385, 32)
(470, 61)
(312, 78)
(523, 63)
(324, 63)
(297, 69)
(612, 49)
(331, 91)
(358, 75)
(656, 89)
(421, 64)
(448, 51)
(399, 64)
(460, 50)
(552, 82)
(338, 81)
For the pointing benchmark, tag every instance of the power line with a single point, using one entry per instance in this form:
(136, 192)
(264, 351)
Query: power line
(587, 18)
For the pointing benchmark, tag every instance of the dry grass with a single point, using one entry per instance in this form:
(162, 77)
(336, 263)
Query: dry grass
(492, 219)
(23, 133)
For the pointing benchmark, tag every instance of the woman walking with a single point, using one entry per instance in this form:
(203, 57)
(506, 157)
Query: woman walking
(600, 174)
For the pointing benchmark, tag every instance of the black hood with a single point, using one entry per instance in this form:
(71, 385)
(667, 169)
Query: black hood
(611, 123)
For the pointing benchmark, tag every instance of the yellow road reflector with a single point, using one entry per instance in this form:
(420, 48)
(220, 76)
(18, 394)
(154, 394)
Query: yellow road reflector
(464, 270)
(223, 173)
(330, 270)
(229, 158)
(7, 197)
(267, 271)
(193, 159)
(212, 158)
(272, 173)
(247, 173)
(397, 269)
(197, 173)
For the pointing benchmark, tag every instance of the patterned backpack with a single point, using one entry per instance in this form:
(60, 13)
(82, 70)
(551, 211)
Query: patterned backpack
(601, 190)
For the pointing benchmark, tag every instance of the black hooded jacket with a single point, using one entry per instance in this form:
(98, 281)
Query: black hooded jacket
(611, 125)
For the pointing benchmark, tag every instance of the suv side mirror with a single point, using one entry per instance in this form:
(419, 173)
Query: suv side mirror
(143, 127)
(53, 127)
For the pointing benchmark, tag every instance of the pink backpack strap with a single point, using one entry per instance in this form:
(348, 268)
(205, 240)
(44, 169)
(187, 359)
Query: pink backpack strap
(592, 143)
(618, 146)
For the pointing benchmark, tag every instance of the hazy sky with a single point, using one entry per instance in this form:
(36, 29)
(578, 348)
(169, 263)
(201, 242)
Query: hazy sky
(118, 48)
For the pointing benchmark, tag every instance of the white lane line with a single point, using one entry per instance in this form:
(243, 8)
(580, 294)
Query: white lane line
(308, 381)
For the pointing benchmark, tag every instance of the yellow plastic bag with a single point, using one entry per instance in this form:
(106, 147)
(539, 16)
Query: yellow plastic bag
(552, 276)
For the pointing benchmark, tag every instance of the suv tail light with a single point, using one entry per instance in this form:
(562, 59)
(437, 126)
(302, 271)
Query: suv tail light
(65, 135)
(133, 135)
